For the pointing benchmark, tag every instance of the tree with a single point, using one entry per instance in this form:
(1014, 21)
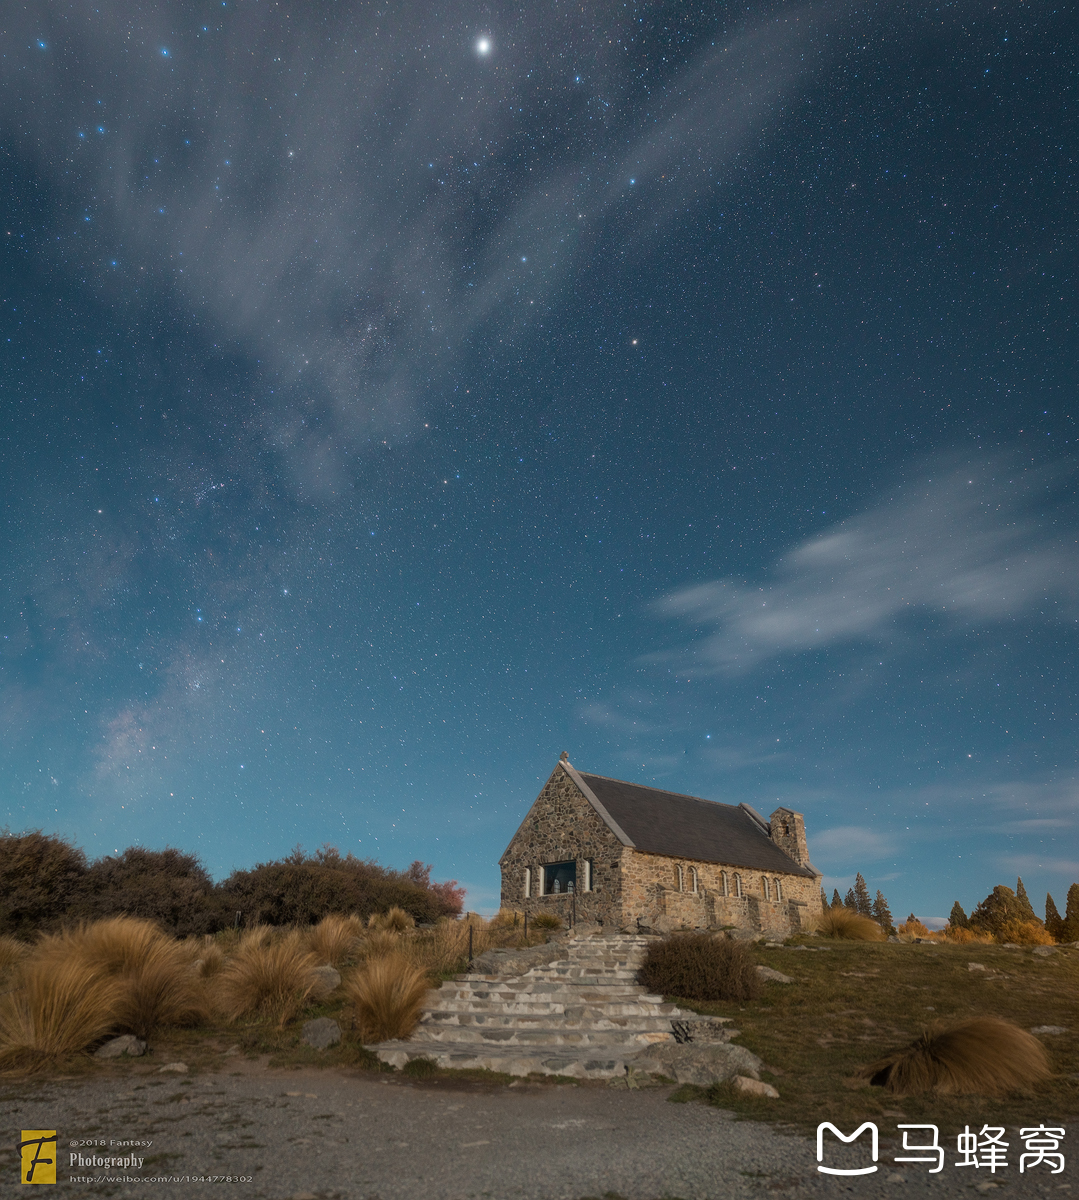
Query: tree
(997, 909)
(1070, 933)
(166, 886)
(957, 918)
(40, 878)
(882, 914)
(861, 896)
(1023, 900)
(824, 900)
(850, 900)
(1054, 922)
(836, 902)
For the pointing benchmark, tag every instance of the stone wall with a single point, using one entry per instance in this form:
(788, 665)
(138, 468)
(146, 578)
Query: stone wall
(561, 825)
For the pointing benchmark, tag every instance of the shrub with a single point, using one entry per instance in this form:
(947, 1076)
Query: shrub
(165, 886)
(982, 1056)
(58, 1009)
(913, 928)
(12, 952)
(1024, 933)
(335, 938)
(844, 923)
(999, 906)
(698, 966)
(387, 995)
(271, 978)
(40, 878)
(545, 921)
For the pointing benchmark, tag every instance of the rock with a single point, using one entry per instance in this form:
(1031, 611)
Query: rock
(1044, 951)
(128, 1044)
(699, 1064)
(775, 976)
(774, 945)
(976, 966)
(1010, 946)
(517, 962)
(754, 1087)
(706, 1031)
(321, 1033)
(1049, 1029)
(893, 938)
(801, 948)
(173, 1068)
(232, 1050)
(328, 979)
(744, 935)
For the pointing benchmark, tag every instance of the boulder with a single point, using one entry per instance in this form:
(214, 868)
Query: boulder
(128, 1044)
(517, 962)
(774, 976)
(321, 1033)
(976, 966)
(705, 1030)
(699, 1064)
(1049, 1029)
(328, 979)
(173, 1068)
(1044, 951)
(754, 1087)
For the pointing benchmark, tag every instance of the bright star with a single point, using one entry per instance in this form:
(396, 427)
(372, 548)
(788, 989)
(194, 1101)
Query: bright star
(483, 46)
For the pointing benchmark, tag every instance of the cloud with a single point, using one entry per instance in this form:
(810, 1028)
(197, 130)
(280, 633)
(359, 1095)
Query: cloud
(960, 545)
(350, 199)
(845, 843)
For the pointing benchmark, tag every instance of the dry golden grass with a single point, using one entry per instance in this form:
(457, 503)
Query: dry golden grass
(12, 952)
(165, 988)
(395, 920)
(273, 979)
(387, 994)
(117, 944)
(958, 936)
(335, 939)
(849, 925)
(58, 1009)
(256, 935)
(983, 1056)
(911, 929)
(210, 960)
(1024, 933)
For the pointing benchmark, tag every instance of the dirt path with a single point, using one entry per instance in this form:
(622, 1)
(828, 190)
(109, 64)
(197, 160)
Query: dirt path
(337, 1133)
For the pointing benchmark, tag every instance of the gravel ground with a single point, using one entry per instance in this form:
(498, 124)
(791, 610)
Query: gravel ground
(336, 1133)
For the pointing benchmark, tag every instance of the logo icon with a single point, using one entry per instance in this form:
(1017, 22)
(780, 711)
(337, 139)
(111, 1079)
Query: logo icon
(844, 1138)
(37, 1156)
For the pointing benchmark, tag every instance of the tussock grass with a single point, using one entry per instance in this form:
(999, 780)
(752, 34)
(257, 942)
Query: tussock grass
(394, 920)
(12, 952)
(335, 939)
(165, 988)
(849, 925)
(117, 944)
(271, 978)
(211, 959)
(546, 921)
(699, 966)
(983, 1056)
(387, 994)
(58, 1009)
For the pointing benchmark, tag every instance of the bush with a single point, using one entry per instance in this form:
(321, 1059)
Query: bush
(335, 939)
(913, 928)
(58, 1009)
(41, 877)
(982, 1056)
(273, 978)
(698, 966)
(1024, 933)
(851, 926)
(1000, 906)
(395, 920)
(165, 886)
(387, 995)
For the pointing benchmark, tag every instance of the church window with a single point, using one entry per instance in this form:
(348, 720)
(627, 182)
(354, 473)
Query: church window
(528, 883)
(681, 877)
(779, 889)
(725, 883)
(737, 884)
(557, 878)
(764, 886)
(694, 883)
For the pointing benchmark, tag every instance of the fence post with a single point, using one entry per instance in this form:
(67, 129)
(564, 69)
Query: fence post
(236, 925)
(526, 925)
(470, 947)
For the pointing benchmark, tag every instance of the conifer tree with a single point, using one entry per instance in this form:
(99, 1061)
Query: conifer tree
(1054, 923)
(1071, 916)
(957, 918)
(1024, 902)
(850, 900)
(836, 902)
(861, 896)
(823, 900)
(882, 914)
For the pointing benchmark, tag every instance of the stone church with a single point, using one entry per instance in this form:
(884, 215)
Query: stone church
(626, 855)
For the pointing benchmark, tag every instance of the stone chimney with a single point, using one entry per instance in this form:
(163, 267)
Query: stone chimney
(788, 829)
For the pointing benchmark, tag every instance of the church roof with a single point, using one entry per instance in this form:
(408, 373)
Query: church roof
(659, 822)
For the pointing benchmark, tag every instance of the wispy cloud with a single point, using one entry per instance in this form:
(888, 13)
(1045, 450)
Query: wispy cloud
(960, 544)
(850, 843)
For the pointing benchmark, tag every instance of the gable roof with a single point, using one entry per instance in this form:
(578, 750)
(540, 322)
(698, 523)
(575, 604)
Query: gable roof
(668, 823)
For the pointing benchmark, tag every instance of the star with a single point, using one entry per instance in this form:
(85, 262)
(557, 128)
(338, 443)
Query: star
(483, 46)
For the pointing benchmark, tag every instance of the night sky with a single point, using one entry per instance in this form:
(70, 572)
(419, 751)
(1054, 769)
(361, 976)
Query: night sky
(396, 397)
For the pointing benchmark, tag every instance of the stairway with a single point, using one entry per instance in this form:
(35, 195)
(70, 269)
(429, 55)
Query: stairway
(584, 1015)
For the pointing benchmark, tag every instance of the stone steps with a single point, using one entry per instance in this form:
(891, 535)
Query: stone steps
(582, 1015)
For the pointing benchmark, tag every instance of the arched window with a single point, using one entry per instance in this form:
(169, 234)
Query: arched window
(681, 878)
(725, 883)
(694, 883)
(737, 884)
(779, 889)
(764, 887)
(528, 883)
